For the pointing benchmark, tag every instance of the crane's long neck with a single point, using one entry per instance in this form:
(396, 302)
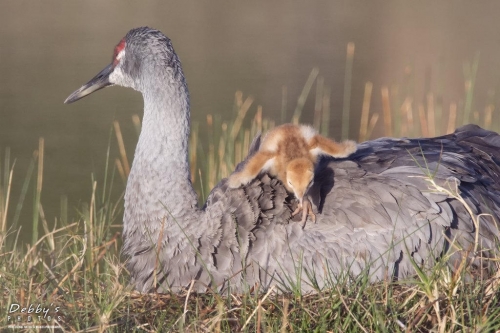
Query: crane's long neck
(159, 183)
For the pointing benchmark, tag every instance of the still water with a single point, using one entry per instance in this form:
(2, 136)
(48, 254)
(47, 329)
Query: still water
(49, 48)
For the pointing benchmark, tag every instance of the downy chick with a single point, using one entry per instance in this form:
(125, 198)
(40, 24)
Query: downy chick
(290, 152)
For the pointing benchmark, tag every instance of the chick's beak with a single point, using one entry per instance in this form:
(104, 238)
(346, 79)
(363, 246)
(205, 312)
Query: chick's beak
(100, 81)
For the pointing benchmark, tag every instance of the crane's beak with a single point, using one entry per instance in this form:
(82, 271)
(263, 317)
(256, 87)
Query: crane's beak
(100, 81)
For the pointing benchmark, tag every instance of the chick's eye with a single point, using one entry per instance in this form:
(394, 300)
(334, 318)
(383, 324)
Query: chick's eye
(290, 183)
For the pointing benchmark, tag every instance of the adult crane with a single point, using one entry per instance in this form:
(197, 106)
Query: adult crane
(375, 209)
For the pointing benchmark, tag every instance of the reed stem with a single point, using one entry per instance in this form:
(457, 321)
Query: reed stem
(121, 147)
(488, 115)
(424, 128)
(38, 191)
(386, 106)
(431, 119)
(470, 71)
(318, 103)
(365, 112)
(347, 90)
(284, 98)
(452, 118)
(325, 123)
(303, 95)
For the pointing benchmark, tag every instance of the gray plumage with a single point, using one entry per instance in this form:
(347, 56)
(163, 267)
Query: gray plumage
(375, 208)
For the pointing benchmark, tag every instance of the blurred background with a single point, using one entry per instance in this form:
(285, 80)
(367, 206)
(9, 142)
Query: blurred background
(400, 68)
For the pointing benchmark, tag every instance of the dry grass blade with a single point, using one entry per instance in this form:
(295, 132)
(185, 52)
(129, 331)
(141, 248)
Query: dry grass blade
(493, 284)
(372, 124)
(346, 108)
(182, 318)
(453, 191)
(386, 106)
(424, 128)
(409, 115)
(158, 248)
(365, 113)
(121, 147)
(91, 223)
(120, 169)
(431, 119)
(4, 205)
(137, 124)
(36, 204)
(452, 118)
(303, 95)
(284, 323)
(193, 155)
(26, 256)
(284, 97)
(237, 152)
(475, 115)
(258, 306)
(74, 269)
(406, 110)
(105, 246)
(318, 103)
(240, 117)
(238, 99)
(349, 311)
(325, 123)
(488, 114)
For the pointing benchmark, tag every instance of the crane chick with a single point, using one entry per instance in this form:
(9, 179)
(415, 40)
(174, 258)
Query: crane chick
(290, 152)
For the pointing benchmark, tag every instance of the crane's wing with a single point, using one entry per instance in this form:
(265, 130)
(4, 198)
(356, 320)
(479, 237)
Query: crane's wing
(377, 210)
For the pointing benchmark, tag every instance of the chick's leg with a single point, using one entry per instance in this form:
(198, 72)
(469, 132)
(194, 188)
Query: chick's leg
(297, 210)
(261, 161)
(306, 208)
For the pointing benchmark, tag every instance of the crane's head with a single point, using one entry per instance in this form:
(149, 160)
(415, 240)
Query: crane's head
(299, 176)
(142, 56)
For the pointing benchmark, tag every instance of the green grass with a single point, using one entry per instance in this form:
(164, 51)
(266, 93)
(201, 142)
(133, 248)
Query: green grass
(73, 262)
